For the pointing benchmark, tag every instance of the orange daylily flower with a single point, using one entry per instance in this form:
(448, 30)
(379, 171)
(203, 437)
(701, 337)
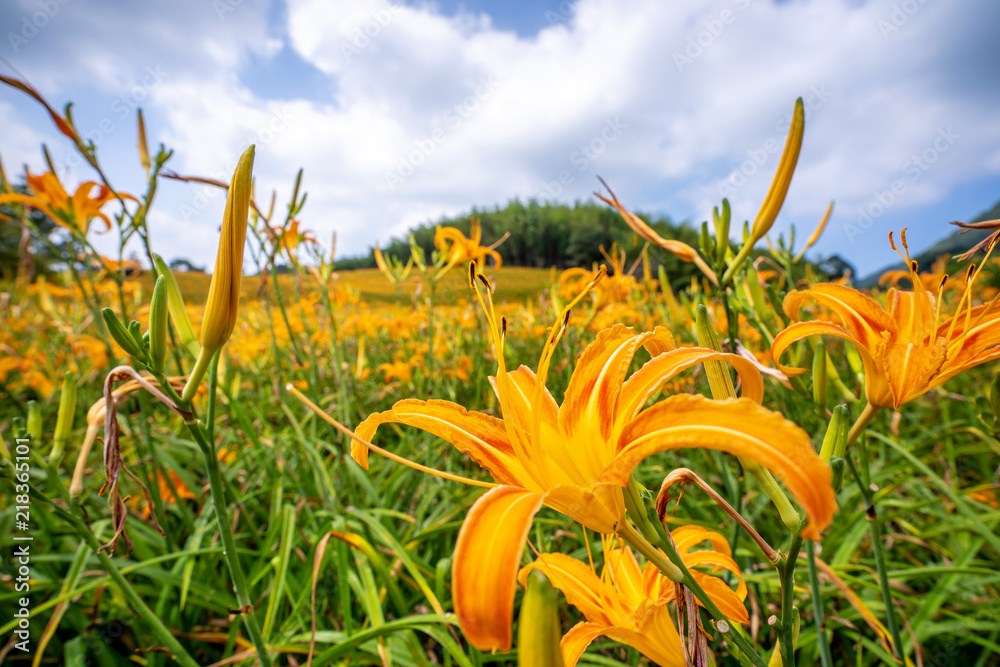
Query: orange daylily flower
(576, 457)
(75, 212)
(128, 267)
(460, 250)
(907, 347)
(291, 238)
(630, 605)
(397, 370)
(613, 289)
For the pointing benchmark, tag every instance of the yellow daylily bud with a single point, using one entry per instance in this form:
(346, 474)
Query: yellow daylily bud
(538, 633)
(816, 232)
(178, 313)
(380, 263)
(158, 325)
(783, 177)
(222, 306)
(779, 187)
(143, 146)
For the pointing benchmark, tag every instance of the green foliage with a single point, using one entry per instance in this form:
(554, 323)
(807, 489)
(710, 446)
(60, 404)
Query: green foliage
(543, 235)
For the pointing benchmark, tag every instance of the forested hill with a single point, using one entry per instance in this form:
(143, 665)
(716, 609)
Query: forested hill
(546, 234)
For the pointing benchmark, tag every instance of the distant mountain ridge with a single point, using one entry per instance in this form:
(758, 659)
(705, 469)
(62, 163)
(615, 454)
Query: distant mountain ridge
(953, 244)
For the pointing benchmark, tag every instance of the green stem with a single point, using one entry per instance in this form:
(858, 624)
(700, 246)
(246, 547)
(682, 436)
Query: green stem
(817, 601)
(734, 633)
(863, 480)
(431, 361)
(197, 373)
(229, 544)
(786, 572)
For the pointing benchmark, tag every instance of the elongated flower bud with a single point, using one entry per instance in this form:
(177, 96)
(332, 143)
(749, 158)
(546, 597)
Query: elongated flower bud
(158, 325)
(783, 177)
(122, 335)
(819, 375)
(143, 146)
(34, 422)
(779, 187)
(719, 379)
(835, 440)
(178, 313)
(222, 306)
(223, 302)
(722, 231)
(538, 632)
(811, 241)
(64, 421)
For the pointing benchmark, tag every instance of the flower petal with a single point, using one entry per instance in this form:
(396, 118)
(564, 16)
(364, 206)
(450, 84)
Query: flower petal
(686, 537)
(596, 380)
(576, 641)
(876, 384)
(861, 315)
(482, 437)
(661, 369)
(738, 426)
(579, 585)
(624, 569)
(599, 507)
(484, 570)
(587, 414)
(728, 601)
(908, 368)
(656, 638)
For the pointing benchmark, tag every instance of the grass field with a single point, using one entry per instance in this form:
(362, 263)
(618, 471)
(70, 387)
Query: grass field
(520, 283)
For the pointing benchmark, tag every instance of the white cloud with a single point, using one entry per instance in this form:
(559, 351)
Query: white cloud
(482, 115)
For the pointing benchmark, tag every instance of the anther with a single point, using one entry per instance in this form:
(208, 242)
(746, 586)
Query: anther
(485, 282)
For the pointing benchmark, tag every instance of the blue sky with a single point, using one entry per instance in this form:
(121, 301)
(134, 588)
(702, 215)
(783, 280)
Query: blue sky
(401, 113)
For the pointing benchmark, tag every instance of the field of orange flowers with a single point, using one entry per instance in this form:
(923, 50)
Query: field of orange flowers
(448, 461)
